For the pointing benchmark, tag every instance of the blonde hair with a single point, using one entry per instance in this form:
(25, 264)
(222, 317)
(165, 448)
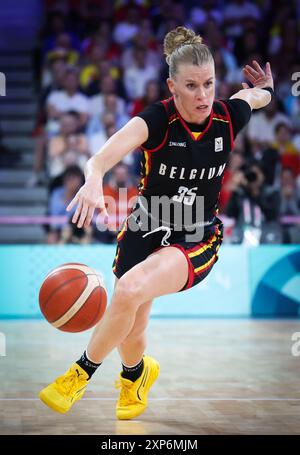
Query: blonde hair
(182, 45)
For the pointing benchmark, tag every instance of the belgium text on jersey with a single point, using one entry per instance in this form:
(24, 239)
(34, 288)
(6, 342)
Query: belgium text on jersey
(180, 173)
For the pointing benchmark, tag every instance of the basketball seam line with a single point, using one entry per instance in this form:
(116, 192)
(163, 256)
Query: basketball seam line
(90, 324)
(78, 304)
(57, 289)
(71, 279)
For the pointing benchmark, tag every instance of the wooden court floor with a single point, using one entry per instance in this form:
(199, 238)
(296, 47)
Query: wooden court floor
(217, 377)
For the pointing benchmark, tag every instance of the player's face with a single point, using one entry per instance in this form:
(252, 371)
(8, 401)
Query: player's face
(194, 90)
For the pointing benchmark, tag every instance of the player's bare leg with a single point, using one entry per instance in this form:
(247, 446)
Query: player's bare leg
(145, 281)
(133, 346)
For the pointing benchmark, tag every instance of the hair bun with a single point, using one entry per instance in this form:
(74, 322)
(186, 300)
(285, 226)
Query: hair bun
(178, 37)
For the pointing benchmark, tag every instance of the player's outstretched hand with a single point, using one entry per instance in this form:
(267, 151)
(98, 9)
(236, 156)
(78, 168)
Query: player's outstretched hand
(88, 198)
(257, 76)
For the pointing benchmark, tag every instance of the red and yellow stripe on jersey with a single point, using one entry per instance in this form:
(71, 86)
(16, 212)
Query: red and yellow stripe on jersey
(147, 168)
(116, 259)
(119, 238)
(201, 257)
(122, 231)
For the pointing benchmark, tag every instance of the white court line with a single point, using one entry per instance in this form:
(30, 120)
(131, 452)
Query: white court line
(172, 399)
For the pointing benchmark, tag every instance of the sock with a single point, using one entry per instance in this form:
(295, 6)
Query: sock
(87, 365)
(133, 373)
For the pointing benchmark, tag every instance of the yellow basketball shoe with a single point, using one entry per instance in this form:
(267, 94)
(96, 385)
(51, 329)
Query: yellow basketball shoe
(133, 395)
(66, 389)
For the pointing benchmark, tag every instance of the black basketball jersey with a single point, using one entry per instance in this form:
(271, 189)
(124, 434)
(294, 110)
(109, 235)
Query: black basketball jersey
(188, 164)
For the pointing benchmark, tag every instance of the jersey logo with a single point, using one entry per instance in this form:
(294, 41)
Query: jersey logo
(218, 144)
(177, 144)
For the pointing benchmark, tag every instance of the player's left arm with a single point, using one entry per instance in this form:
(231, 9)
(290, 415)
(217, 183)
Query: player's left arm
(257, 97)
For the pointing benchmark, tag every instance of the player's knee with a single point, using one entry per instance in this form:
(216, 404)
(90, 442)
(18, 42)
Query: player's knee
(129, 291)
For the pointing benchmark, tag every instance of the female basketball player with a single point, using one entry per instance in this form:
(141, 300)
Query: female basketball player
(186, 142)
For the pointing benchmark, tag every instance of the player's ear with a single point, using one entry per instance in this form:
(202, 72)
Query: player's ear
(171, 85)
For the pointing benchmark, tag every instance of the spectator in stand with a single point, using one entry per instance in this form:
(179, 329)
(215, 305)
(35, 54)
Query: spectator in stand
(57, 73)
(65, 97)
(289, 206)
(261, 128)
(69, 99)
(107, 68)
(70, 147)
(281, 154)
(98, 131)
(97, 67)
(286, 51)
(55, 23)
(251, 206)
(199, 15)
(110, 106)
(147, 41)
(59, 20)
(102, 35)
(220, 67)
(107, 86)
(289, 155)
(217, 42)
(290, 197)
(232, 172)
(148, 37)
(171, 16)
(62, 51)
(137, 76)
(235, 77)
(247, 44)
(121, 8)
(224, 90)
(61, 196)
(63, 43)
(56, 77)
(72, 234)
(91, 69)
(279, 17)
(237, 14)
(271, 167)
(54, 63)
(152, 94)
(120, 194)
(126, 30)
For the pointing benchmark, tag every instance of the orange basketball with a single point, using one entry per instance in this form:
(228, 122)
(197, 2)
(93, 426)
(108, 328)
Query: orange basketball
(73, 297)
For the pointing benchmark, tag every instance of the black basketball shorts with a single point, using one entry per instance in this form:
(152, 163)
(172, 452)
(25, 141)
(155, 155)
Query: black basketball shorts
(134, 247)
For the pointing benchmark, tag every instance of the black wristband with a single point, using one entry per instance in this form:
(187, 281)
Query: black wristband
(270, 90)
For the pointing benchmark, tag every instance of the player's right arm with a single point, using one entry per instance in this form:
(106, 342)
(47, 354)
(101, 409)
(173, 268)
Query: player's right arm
(90, 195)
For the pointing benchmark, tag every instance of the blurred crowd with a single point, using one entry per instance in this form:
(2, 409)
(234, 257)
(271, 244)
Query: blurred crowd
(100, 62)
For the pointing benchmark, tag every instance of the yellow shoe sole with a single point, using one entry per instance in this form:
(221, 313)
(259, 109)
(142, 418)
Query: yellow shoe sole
(53, 405)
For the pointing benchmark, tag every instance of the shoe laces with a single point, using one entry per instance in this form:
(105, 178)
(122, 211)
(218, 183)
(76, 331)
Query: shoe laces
(70, 382)
(126, 393)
